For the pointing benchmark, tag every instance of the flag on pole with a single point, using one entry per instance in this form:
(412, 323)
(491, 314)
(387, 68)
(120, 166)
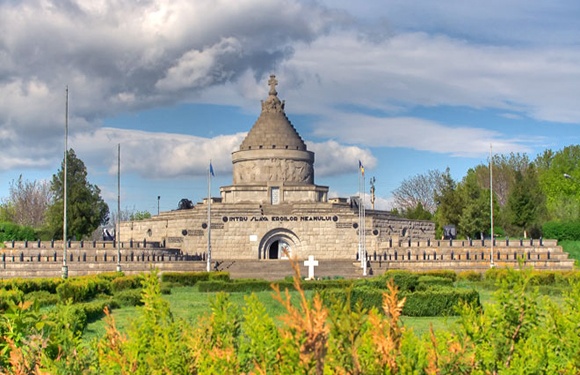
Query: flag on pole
(362, 168)
(211, 169)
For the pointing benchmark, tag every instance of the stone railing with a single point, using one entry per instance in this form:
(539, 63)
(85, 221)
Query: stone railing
(38, 244)
(469, 243)
(80, 256)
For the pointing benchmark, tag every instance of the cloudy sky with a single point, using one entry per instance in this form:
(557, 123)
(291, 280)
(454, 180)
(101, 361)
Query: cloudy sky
(405, 86)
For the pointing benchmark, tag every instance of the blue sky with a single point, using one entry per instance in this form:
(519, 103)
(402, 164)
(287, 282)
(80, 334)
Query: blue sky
(405, 86)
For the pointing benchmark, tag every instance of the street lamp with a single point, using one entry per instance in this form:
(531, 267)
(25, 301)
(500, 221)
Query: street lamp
(158, 198)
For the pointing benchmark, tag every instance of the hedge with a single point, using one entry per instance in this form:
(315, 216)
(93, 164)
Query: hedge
(32, 285)
(83, 289)
(126, 282)
(254, 285)
(562, 230)
(129, 297)
(11, 231)
(469, 276)
(42, 297)
(192, 278)
(13, 295)
(431, 282)
(435, 302)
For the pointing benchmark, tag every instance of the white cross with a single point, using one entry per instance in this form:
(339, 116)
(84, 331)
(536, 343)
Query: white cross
(311, 263)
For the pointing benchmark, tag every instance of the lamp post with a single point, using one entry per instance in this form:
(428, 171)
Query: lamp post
(158, 199)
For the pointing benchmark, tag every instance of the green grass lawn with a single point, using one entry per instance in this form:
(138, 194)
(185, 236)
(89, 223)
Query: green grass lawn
(572, 248)
(189, 304)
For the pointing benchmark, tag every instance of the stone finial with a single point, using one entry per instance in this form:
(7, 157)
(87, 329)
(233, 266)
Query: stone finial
(273, 104)
(273, 82)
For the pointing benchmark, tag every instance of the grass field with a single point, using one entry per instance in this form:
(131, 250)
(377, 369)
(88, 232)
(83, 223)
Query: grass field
(189, 304)
(572, 248)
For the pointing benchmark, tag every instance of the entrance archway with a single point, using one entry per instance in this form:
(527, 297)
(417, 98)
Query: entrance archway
(276, 243)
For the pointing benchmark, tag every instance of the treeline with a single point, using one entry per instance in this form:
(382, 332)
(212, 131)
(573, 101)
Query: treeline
(536, 198)
(34, 209)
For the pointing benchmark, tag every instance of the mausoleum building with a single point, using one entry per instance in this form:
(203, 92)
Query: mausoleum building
(274, 205)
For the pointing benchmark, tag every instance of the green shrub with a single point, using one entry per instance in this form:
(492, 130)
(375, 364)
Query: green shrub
(165, 287)
(432, 282)
(435, 302)
(255, 285)
(32, 285)
(494, 274)
(451, 275)
(224, 276)
(438, 302)
(543, 278)
(185, 278)
(42, 297)
(469, 276)
(83, 289)
(562, 230)
(107, 275)
(15, 232)
(96, 309)
(126, 282)
(128, 297)
(240, 286)
(13, 295)
(404, 280)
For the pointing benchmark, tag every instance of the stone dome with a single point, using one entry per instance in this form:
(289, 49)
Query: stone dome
(273, 165)
(273, 130)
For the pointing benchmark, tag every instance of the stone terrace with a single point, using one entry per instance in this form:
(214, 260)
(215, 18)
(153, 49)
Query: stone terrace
(44, 259)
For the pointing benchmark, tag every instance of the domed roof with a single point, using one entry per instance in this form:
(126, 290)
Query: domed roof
(273, 130)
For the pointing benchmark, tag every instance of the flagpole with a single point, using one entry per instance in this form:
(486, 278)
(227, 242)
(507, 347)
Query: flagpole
(64, 265)
(359, 217)
(118, 234)
(209, 218)
(491, 202)
(364, 225)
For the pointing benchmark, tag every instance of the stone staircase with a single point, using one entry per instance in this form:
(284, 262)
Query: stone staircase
(278, 269)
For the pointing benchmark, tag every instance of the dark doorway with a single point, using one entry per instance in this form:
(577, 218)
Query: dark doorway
(273, 251)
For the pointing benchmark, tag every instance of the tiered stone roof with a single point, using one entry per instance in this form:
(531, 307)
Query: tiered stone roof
(273, 130)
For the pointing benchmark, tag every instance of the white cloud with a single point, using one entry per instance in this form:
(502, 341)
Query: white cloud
(334, 159)
(166, 155)
(120, 57)
(418, 134)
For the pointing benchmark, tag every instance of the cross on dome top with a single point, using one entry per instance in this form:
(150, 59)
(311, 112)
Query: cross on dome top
(273, 104)
(273, 82)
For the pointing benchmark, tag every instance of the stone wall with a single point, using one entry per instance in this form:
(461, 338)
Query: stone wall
(325, 230)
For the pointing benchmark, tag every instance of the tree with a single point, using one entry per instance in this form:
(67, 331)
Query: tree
(417, 213)
(140, 215)
(525, 206)
(475, 216)
(504, 169)
(86, 209)
(448, 201)
(28, 202)
(419, 189)
(562, 196)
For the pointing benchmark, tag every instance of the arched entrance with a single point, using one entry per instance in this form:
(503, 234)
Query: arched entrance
(277, 243)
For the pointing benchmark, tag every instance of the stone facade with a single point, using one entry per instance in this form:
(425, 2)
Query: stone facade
(274, 205)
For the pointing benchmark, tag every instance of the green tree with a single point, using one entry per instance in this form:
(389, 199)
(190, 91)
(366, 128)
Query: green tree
(562, 196)
(525, 206)
(417, 213)
(475, 217)
(140, 215)
(86, 209)
(448, 201)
